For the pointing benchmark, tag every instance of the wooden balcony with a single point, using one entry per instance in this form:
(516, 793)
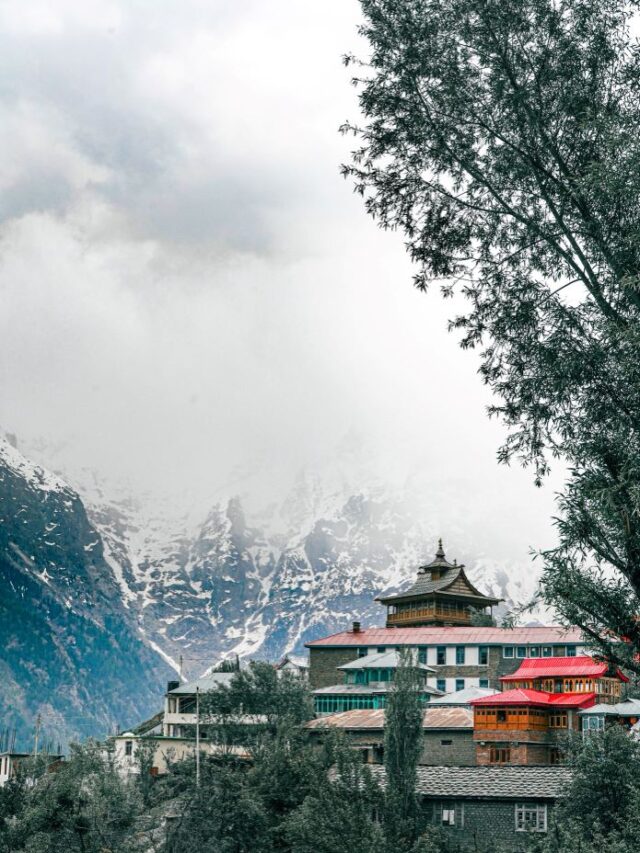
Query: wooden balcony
(414, 616)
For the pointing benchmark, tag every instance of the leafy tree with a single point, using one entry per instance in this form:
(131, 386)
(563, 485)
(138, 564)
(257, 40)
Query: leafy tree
(339, 816)
(601, 810)
(502, 138)
(402, 747)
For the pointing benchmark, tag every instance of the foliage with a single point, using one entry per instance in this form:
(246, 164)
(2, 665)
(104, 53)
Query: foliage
(402, 746)
(81, 806)
(502, 138)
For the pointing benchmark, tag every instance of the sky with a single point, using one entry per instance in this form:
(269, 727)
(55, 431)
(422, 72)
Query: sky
(189, 287)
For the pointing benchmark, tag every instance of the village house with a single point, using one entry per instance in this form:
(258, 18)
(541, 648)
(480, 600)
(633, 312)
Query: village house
(435, 618)
(367, 681)
(447, 734)
(11, 762)
(605, 714)
(525, 724)
(489, 808)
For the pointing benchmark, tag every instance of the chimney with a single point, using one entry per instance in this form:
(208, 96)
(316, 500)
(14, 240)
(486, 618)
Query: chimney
(356, 627)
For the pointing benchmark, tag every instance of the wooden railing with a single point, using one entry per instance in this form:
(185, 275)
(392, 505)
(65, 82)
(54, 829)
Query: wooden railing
(404, 616)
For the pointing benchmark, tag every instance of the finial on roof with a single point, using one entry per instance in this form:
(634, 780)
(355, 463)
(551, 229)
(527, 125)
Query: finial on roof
(440, 551)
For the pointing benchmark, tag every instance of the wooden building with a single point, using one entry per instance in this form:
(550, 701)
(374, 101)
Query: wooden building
(522, 726)
(441, 595)
(569, 675)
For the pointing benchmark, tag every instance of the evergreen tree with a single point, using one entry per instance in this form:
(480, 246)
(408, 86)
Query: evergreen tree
(402, 747)
(502, 138)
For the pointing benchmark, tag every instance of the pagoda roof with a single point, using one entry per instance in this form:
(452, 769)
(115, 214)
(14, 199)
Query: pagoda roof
(571, 667)
(447, 574)
(536, 699)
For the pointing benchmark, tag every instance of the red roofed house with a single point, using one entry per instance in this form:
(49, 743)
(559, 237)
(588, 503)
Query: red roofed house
(569, 675)
(522, 724)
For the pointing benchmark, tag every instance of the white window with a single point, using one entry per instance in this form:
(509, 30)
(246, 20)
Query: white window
(448, 813)
(531, 817)
(507, 651)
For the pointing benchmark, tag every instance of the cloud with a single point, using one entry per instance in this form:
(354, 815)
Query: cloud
(188, 284)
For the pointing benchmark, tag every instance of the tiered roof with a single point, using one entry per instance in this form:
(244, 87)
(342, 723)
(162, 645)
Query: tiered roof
(581, 666)
(438, 576)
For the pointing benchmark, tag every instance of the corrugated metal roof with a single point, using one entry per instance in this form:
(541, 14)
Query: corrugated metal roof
(205, 683)
(628, 708)
(536, 698)
(489, 783)
(434, 635)
(575, 667)
(384, 660)
(433, 718)
(368, 689)
(464, 697)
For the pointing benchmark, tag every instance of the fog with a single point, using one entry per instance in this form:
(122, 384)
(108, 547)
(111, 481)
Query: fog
(189, 288)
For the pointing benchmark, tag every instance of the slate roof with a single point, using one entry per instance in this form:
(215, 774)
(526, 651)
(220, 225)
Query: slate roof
(433, 635)
(489, 783)
(536, 698)
(432, 718)
(575, 667)
(426, 584)
(384, 660)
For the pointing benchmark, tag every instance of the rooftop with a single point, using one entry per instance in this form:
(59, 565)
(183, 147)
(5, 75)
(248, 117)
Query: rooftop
(537, 699)
(463, 697)
(438, 576)
(628, 708)
(204, 683)
(575, 667)
(384, 660)
(437, 635)
(373, 720)
(489, 783)
(368, 689)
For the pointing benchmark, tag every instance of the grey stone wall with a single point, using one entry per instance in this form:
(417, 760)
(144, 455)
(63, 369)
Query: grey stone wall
(489, 827)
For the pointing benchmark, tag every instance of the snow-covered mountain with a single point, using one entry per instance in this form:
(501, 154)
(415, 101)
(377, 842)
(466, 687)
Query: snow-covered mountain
(200, 585)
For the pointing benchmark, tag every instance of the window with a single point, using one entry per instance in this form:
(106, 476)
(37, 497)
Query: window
(571, 651)
(422, 654)
(459, 684)
(534, 652)
(556, 755)
(484, 682)
(446, 742)
(381, 650)
(128, 747)
(593, 723)
(362, 652)
(501, 715)
(558, 720)
(483, 655)
(521, 652)
(531, 817)
(441, 684)
(499, 755)
(441, 655)
(447, 813)
(507, 651)
(547, 652)
(459, 655)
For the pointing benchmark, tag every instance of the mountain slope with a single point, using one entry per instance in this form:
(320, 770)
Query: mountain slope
(70, 651)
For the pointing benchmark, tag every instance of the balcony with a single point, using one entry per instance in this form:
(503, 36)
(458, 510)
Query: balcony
(437, 613)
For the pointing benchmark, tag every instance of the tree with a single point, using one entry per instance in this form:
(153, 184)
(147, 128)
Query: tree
(339, 815)
(601, 810)
(402, 747)
(501, 136)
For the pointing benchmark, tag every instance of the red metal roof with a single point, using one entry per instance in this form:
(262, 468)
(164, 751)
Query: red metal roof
(575, 667)
(537, 698)
(433, 635)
